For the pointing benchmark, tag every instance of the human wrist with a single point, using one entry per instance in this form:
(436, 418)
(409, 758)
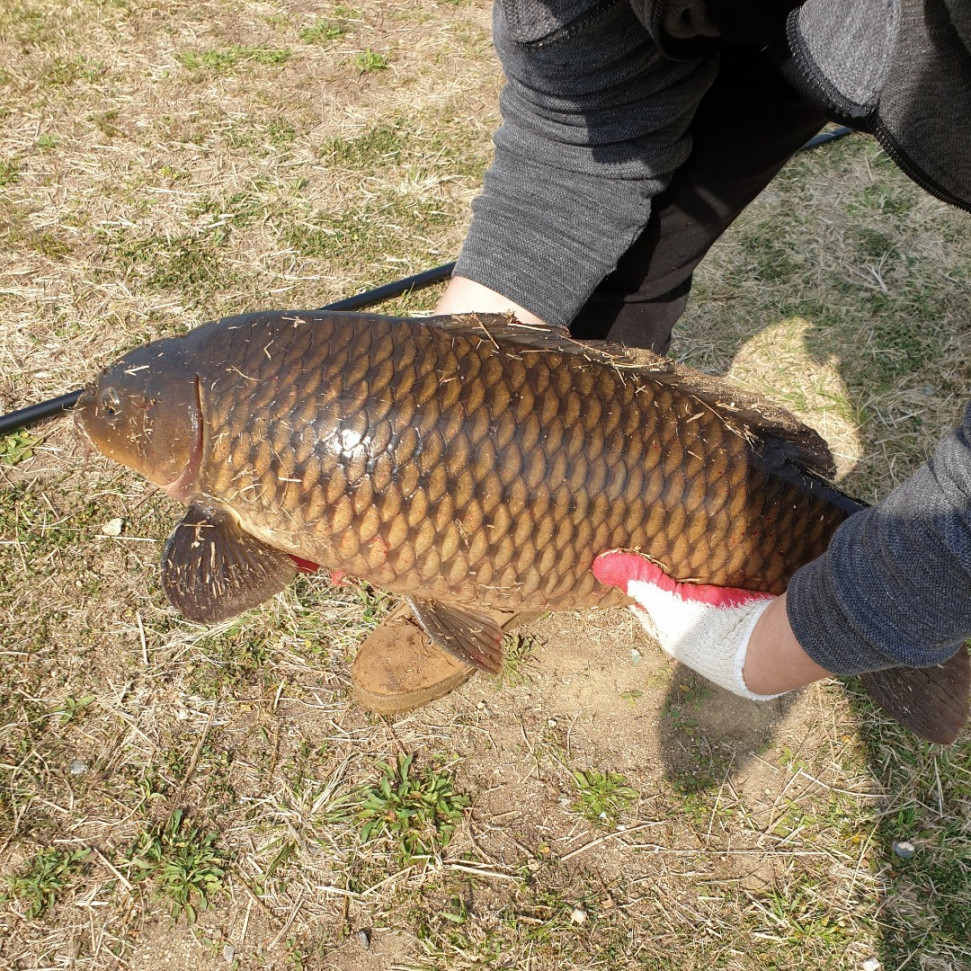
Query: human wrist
(463, 296)
(774, 660)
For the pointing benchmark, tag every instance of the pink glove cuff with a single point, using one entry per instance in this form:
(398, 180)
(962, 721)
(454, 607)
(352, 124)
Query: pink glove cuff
(617, 568)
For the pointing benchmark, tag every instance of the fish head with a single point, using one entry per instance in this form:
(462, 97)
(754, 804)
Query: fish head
(144, 412)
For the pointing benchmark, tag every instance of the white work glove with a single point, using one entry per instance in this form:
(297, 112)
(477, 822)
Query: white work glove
(707, 628)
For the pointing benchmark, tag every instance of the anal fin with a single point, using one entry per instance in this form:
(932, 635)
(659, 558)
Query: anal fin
(469, 635)
(213, 570)
(931, 702)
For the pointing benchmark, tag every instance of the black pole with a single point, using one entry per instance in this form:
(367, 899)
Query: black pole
(35, 413)
(826, 136)
(49, 409)
(391, 290)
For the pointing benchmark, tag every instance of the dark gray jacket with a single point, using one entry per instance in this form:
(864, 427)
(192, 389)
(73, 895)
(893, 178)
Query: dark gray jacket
(596, 118)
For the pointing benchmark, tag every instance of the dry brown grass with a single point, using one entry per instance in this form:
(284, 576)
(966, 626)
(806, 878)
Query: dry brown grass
(162, 164)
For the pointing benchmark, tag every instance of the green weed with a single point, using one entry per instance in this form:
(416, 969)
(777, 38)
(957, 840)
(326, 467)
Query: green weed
(367, 232)
(274, 136)
(322, 31)
(184, 866)
(603, 796)
(64, 71)
(72, 707)
(225, 61)
(45, 877)
(9, 171)
(104, 121)
(417, 810)
(369, 60)
(517, 652)
(18, 446)
(382, 144)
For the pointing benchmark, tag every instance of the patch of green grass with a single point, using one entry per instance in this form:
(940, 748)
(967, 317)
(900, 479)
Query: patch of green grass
(64, 71)
(873, 243)
(183, 865)
(235, 658)
(517, 652)
(555, 917)
(105, 121)
(602, 796)
(71, 708)
(368, 61)
(48, 244)
(887, 199)
(242, 208)
(192, 263)
(798, 916)
(323, 30)
(928, 900)
(273, 136)
(227, 60)
(772, 259)
(369, 232)
(379, 145)
(415, 809)
(47, 535)
(9, 171)
(18, 446)
(44, 878)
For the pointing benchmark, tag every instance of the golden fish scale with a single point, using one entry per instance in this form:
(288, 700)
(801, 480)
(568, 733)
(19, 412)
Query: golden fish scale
(445, 464)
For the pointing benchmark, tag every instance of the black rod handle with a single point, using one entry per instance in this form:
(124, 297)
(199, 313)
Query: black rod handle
(35, 413)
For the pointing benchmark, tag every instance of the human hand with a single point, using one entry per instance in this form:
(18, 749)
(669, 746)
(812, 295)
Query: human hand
(707, 628)
(465, 296)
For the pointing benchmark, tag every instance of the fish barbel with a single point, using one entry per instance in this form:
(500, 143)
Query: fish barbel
(465, 462)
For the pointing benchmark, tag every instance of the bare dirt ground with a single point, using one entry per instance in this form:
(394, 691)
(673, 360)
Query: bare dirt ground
(598, 806)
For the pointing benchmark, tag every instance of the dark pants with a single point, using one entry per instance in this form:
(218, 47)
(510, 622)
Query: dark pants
(746, 127)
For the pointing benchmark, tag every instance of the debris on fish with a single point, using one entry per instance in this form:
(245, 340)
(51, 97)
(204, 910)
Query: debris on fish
(469, 463)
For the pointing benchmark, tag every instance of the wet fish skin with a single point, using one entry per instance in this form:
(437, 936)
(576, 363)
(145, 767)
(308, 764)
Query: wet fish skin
(457, 461)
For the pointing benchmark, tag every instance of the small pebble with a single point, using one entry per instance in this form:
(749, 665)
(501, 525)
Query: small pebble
(113, 527)
(363, 937)
(78, 767)
(905, 850)
(552, 723)
(929, 390)
(579, 915)
(872, 964)
(635, 656)
(229, 953)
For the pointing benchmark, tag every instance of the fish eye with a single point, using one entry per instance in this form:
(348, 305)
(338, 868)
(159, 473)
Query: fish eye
(110, 401)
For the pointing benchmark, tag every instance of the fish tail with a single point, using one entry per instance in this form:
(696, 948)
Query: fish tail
(931, 702)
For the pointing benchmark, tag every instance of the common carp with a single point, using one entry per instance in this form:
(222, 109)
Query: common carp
(469, 462)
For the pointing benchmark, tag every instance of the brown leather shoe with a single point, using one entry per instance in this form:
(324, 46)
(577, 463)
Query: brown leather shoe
(398, 668)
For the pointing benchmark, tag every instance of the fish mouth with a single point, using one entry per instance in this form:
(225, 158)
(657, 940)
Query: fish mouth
(181, 488)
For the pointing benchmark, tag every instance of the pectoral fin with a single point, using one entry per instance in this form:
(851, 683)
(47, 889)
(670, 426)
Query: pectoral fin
(931, 702)
(472, 637)
(213, 570)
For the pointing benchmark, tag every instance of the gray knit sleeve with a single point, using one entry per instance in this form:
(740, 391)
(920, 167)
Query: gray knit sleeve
(895, 585)
(594, 121)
